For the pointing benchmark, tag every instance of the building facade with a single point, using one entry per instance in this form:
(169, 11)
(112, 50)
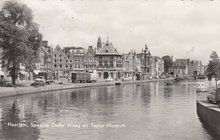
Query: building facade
(68, 59)
(109, 61)
(146, 62)
(90, 60)
(157, 67)
(131, 66)
(185, 67)
(196, 68)
(45, 63)
(180, 67)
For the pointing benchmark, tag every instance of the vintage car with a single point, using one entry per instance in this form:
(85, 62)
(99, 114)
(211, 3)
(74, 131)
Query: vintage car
(39, 82)
(109, 79)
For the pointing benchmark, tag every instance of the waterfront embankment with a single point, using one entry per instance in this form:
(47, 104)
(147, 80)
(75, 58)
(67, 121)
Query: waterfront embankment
(13, 91)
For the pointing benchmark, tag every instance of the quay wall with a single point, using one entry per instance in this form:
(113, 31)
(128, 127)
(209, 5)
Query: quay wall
(210, 114)
(13, 91)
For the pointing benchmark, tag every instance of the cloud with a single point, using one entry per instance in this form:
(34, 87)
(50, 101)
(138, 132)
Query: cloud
(179, 28)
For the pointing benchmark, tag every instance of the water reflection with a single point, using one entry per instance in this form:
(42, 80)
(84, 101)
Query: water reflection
(16, 124)
(148, 110)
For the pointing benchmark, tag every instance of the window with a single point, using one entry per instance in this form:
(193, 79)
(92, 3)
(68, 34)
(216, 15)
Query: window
(55, 60)
(70, 61)
(111, 64)
(66, 61)
(55, 55)
(55, 66)
(100, 63)
(106, 51)
(60, 66)
(106, 63)
(60, 60)
(60, 55)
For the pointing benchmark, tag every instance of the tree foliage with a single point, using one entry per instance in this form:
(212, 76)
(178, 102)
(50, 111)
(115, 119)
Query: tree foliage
(20, 39)
(213, 69)
(168, 62)
(214, 57)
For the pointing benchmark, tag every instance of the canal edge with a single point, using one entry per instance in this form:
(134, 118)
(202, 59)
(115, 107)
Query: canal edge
(32, 90)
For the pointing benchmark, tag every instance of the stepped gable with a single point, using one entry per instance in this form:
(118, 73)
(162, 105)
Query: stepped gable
(108, 49)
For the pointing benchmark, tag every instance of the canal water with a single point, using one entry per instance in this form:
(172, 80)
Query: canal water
(151, 111)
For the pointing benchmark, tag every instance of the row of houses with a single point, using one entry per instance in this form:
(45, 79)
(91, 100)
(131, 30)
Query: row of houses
(187, 67)
(103, 60)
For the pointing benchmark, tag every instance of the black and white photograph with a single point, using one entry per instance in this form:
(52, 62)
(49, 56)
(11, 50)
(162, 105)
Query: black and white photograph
(109, 69)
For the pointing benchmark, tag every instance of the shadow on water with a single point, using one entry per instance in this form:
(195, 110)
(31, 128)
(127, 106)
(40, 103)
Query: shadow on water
(24, 132)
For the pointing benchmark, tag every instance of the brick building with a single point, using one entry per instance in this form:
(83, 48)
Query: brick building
(68, 59)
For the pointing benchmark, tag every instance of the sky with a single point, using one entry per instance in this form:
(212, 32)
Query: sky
(181, 28)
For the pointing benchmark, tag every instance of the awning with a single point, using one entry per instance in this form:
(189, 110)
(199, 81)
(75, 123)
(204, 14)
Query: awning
(36, 72)
(1, 72)
(23, 72)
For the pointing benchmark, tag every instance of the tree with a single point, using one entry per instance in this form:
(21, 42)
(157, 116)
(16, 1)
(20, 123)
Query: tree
(213, 69)
(168, 62)
(20, 39)
(214, 57)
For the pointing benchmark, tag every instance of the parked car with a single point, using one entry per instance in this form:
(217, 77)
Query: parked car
(214, 96)
(38, 82)
(109, 79)
(58, 82)
(126, 78)
(155, 77)
(163, 77)
(47, 76)
(4, 83)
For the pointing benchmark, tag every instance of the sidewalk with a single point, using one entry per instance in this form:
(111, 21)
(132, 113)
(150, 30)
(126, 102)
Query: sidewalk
(12, 91)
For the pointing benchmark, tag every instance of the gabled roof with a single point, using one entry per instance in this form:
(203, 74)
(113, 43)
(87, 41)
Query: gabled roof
(108, 49)
(58, 48)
